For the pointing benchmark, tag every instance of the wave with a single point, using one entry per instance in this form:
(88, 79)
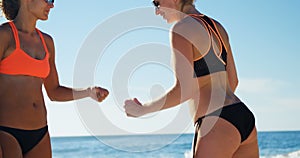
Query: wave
(295, 154)
(188, 154)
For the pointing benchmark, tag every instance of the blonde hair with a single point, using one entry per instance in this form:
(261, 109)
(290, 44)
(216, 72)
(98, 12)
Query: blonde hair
(10, 8)
(184, 2)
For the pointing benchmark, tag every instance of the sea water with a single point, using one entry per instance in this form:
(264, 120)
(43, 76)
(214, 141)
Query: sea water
(271, 145)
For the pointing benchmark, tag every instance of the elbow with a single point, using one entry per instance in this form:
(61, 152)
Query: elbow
(185, 92)
(52, 97)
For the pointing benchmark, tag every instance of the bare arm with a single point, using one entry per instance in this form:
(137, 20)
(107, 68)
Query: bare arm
(182, 89)
(183, 64)
(56, 92)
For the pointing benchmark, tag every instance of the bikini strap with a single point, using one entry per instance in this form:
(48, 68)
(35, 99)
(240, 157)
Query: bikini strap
(211, 24)
(15, 32)
(43, 41)
(217, 31)
(197, 127)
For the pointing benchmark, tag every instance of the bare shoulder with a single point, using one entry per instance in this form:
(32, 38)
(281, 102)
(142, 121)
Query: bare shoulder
(194, 31)
(191, 28)
(5, 32)
(47, 37)
(179, 28)
(189, 25)
(4, 26)
(221, 29)
(6, 36)
(49, 41)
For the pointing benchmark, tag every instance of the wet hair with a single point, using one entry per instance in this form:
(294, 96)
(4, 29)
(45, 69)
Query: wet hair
(10, 8)
(184, 2)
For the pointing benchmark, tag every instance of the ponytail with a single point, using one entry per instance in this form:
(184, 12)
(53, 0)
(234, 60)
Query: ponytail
(184, 2)
(10, 8)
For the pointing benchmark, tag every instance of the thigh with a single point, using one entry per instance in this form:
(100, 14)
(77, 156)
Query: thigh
(217, 138)
(249, 148)
(9, 146)
(42, 149)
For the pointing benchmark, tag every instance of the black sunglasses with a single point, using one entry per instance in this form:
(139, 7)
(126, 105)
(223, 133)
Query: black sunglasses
(156, 4)
(49, 1)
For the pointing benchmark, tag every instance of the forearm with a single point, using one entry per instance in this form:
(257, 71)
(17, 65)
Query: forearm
(62, 93)
(171, 99)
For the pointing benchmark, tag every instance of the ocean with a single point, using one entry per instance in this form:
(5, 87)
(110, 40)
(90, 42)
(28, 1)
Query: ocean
(271, 144)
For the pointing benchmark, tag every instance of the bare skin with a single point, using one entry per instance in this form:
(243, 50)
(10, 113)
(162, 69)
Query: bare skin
(217, 138)
(22, 103)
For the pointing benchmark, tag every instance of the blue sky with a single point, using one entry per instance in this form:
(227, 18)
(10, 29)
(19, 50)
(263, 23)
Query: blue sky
(264, 38)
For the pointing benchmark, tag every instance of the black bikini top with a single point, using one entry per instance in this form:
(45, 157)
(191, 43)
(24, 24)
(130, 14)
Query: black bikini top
(211, 61)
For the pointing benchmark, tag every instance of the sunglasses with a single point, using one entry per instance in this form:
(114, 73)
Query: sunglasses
(49, 1)
(156, 4)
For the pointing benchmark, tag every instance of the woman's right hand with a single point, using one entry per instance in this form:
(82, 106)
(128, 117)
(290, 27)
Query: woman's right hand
(98, 93)
(134, 108)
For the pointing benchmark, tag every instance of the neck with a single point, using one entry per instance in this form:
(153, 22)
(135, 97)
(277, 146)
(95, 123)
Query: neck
(190, 9)
(24, 22)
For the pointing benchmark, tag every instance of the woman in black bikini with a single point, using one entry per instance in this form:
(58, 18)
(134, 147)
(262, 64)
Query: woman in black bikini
(206, 76)
(26, 63)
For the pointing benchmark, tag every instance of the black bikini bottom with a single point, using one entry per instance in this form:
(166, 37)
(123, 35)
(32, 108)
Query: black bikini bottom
(237, 114)
(27, 139)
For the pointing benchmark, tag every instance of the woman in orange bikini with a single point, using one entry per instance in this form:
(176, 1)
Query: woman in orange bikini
(206, 75)
(27, 61)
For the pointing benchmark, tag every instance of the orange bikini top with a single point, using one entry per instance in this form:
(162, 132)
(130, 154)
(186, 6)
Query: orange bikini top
(20, 63)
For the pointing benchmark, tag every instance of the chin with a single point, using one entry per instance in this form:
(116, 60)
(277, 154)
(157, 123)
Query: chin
(44, 18)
